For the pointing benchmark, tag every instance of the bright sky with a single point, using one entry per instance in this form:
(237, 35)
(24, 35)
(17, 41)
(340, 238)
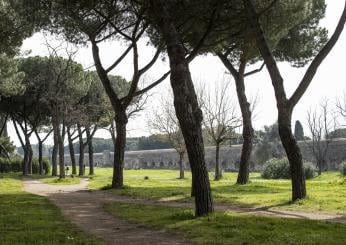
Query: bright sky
(329, 81)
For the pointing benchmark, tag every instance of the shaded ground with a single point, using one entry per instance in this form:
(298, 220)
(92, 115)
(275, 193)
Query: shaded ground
(85, 209)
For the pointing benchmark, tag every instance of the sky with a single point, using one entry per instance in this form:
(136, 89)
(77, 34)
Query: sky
(329, 82)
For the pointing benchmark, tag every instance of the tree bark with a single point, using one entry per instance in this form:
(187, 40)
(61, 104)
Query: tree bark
(218, 174)
(181, 166)
(187, 109)
(81, 152)
(90, 150)
(55, 149)
(30, 155)
(26, 157)
(61, 153)
(72, 153)
(40, 150)
(294, 155)
(119, 150)
(248, 132)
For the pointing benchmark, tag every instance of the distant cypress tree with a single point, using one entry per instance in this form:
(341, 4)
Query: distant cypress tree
(298, 131)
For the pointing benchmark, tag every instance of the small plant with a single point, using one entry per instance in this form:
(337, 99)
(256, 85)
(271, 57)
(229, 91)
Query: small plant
(343, 168)
(276, 169)
(280, 169)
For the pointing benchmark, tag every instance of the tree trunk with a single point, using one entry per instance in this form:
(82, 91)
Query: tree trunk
(218, 174)
(72, 154)
(81, 152)
(248, 132)
(55, 150)
(61, 153)
(26, 158)
(91, 151)
(119, 150)
(40, 163)
(181, 166)
(187, 109)
(294, 155)
(30, 156)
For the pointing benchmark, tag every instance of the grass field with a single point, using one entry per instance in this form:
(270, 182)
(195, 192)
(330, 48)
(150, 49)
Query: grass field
(30, 219)
(325, 193)
(231, 228)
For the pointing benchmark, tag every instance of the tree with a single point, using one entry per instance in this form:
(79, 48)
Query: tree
(95, 22)
(298, 131)
(320, 125)
(166, 122)
(286, 105)
(220, 117)
(170, 19)
(280, 21)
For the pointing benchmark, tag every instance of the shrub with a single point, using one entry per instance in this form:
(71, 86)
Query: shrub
(309, 170)
(343, 168)
(5, 165)
(16, 163)
(12, 165)
(276, 169)
(45, 163)
(280, 169)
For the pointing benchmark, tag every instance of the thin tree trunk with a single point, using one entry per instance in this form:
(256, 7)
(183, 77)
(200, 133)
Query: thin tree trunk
(81, 152)
(248, 132)
(91, 151)
(187, 109)
(30, 155)
(40, 150)
(61, 153)
(72, 153)
(119, 150)
(181, 166)
(26, 158)
(55, 149)
(218, 174)
(294, 155)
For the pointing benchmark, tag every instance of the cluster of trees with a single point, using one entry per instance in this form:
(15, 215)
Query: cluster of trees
(238, 32)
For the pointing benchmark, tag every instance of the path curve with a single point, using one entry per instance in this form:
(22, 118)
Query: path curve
(85, 209)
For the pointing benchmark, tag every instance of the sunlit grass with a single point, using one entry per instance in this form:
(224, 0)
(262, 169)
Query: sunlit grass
(30, 219)
(325, 193)
(232, 228)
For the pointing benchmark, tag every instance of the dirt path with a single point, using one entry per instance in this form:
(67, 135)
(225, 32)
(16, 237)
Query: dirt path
(85, 209)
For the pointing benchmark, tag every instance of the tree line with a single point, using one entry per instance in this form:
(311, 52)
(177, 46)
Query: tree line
(238, 32)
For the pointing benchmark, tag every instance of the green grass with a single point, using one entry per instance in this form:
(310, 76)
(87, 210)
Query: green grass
(231, 228)
(30, 219)
(325, 193)
(57, 181)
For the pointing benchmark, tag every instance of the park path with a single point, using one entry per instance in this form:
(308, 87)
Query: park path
(85, 209)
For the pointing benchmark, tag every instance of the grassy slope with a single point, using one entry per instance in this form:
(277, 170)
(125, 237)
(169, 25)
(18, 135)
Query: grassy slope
(325, 193)
(231, 228)
(30, 219)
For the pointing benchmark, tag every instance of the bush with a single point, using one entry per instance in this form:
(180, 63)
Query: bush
(343, 168)
(16, 165)
(5, 165)
(276, 169)
(280, 169)
(36, 168)
(309, 170)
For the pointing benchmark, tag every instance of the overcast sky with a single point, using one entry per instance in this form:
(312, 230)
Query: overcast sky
(329, 82)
